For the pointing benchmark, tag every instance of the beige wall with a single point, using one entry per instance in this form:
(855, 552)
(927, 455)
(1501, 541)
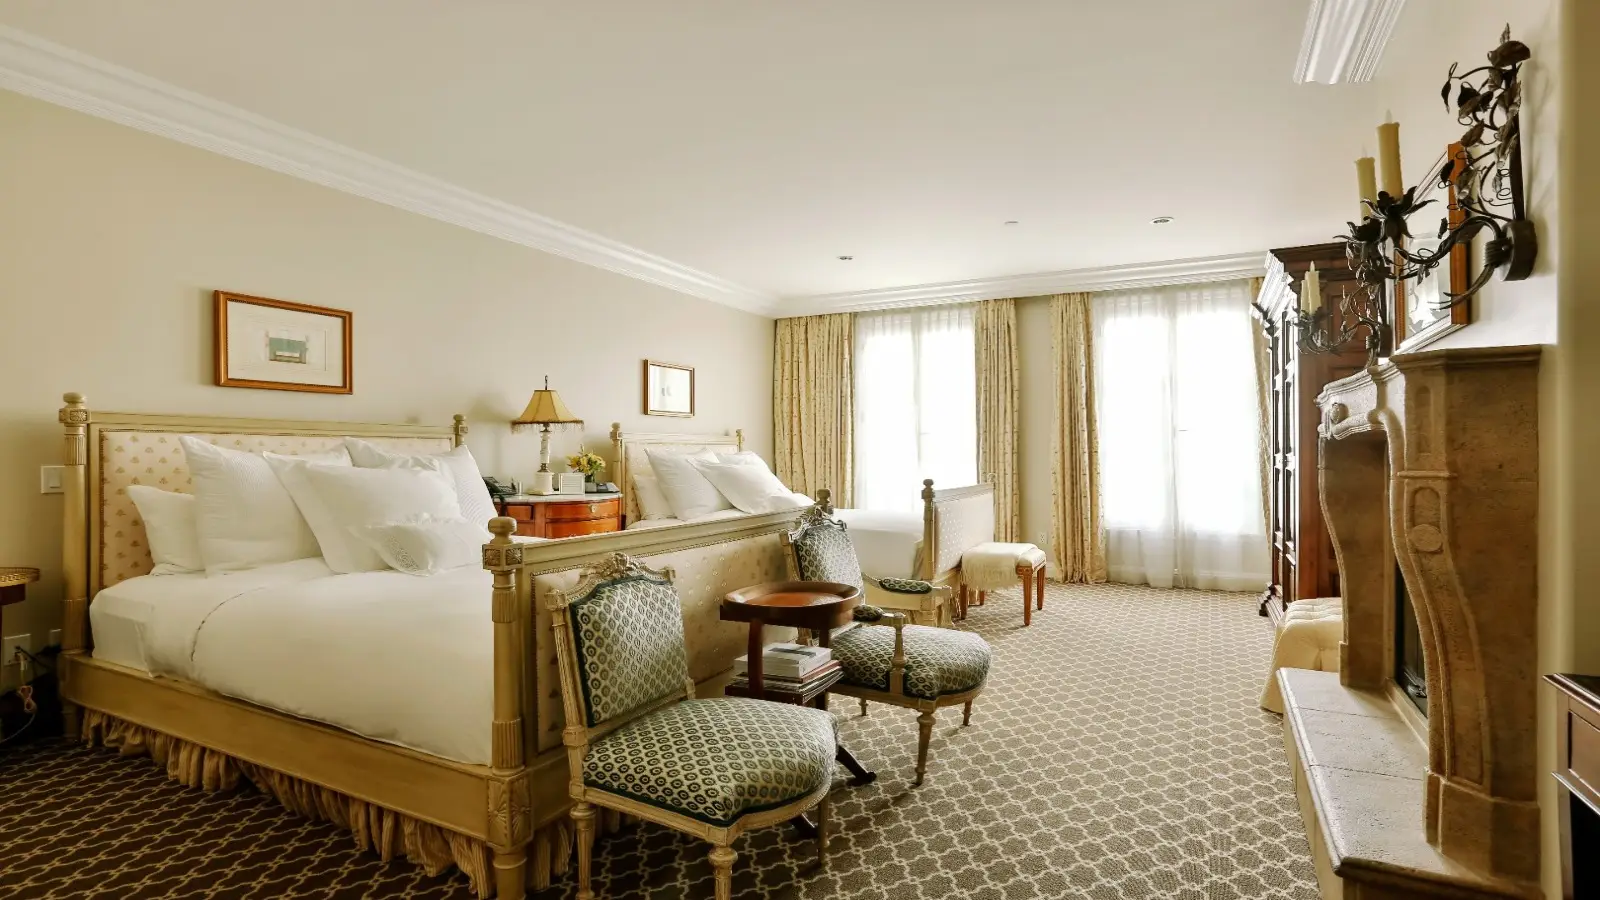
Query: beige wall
(111, 241)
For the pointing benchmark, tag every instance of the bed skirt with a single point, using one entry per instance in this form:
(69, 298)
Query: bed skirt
(388, 833)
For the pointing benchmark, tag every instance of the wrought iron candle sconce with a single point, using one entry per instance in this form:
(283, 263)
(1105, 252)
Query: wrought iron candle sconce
(1489, 201)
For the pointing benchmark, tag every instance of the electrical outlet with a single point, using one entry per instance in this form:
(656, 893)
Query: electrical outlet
(50, 479)
(8, 647)
(55, 638)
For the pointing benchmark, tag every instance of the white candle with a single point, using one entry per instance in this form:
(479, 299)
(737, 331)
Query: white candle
(1389, 157)
(1311, 291)
(1366, 186)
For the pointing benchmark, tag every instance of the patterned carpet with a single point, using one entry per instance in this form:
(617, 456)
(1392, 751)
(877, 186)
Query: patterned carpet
(1117, 753)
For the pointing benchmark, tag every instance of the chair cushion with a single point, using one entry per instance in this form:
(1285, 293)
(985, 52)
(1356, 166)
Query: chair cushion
(993, 565)
(716, 760)
(939, 661)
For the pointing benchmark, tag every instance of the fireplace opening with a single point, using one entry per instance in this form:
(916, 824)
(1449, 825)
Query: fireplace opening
(1409, 669)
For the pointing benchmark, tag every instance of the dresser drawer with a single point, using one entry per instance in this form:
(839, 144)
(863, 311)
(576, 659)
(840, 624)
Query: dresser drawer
(522, 512)
(580, 527)
(594, 509)
(1584, 751)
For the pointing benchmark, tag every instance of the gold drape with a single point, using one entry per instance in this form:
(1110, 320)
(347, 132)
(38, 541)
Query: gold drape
(995, 346)
(1077, 536)
(813, 405)
(1263, 398)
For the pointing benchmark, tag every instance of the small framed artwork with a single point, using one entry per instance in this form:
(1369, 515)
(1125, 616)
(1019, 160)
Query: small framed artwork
(1418, 319)
(668, 389)
(281, 346)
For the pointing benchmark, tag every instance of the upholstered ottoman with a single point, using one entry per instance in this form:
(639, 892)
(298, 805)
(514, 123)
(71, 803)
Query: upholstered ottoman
(995, 565)
(1308, 638)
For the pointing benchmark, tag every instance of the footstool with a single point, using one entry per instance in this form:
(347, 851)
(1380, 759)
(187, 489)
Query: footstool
(994, 565)
(1308, 638)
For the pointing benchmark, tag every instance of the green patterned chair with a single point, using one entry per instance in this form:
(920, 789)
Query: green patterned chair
(884, 659)
(638, 742)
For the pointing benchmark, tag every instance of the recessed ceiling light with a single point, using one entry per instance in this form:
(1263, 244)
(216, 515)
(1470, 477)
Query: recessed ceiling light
(1011, 222)
(847, 258)
(1161, 220)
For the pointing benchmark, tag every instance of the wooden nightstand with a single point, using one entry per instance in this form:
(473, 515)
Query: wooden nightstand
(564, 515)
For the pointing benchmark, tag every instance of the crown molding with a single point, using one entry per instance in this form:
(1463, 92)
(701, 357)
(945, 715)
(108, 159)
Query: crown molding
(1103, 278)
(1345, 39)
(37, 68)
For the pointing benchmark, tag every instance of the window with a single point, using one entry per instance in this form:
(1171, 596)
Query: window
(1178, 420)
(916, 404)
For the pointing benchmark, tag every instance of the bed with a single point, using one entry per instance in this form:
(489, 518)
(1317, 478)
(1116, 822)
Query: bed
(416, 712)
(889, 544)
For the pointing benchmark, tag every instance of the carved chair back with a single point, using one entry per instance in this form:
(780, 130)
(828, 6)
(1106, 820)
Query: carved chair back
(820, 549)
(619, 646)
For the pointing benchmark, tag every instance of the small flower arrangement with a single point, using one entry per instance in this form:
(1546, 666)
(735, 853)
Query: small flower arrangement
(587, 462)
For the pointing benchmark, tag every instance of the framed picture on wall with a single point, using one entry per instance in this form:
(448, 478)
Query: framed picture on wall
(1418, 319)
(668, 389)
(281, 346)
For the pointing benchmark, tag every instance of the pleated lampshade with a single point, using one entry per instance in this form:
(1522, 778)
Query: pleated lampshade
(545, 408)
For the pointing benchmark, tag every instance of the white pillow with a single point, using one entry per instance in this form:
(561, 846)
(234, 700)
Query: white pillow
(745, 458)
(169, 527)
(688, 491)
(244, 515)
(426, 544)
(652, 503)
(291, 472)
(459, 466)
(351, 498)
(751, 488)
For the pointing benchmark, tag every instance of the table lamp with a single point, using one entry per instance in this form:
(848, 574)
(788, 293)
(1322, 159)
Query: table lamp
(545, 409)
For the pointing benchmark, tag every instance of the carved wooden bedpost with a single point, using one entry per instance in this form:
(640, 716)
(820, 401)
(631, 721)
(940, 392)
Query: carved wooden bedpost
(460, 430)
(74, 418)
(738, 439)
(510, 815)
(930, 540)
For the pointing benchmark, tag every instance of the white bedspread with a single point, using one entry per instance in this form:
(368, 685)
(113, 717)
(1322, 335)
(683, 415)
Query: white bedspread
(389, 656)
(887, 543)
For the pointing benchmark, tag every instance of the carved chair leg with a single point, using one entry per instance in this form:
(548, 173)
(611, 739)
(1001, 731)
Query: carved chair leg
(962, 602)
(983, 597)
(863, 705)
(1038, 585)
(583, 818)
(722, 858)
(511, 873)
(822, 832)
(924, 735)
(966, 714)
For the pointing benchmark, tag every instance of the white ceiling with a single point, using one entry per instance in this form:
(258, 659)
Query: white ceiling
(758, 141)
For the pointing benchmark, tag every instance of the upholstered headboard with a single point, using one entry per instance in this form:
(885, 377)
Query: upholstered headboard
(122, 449)
(630, 453)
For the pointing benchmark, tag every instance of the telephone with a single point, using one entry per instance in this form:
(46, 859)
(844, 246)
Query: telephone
(498, 489)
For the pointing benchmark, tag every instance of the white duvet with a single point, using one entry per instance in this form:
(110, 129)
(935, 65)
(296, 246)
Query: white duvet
(389, 656)
(887, 543)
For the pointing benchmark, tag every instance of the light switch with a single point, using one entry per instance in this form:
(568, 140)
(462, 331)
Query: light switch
(50, 479)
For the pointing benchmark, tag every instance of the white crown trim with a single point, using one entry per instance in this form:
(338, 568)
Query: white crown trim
(1103, 278)
(46, 71)
(1345, 39)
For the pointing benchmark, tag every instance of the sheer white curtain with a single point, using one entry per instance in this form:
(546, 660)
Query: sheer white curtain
(1175, 397)
(916, 404)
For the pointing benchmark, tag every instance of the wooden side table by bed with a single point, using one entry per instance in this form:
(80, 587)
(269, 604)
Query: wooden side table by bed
(818, 607)
(563, 515)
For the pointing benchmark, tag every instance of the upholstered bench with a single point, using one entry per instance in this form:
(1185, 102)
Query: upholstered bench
(995, 565)
(1308, 638)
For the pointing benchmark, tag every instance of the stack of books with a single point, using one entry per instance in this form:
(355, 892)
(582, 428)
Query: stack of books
(787, 668)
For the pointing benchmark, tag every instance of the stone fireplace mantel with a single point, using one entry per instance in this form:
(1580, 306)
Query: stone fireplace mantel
(1430, 460)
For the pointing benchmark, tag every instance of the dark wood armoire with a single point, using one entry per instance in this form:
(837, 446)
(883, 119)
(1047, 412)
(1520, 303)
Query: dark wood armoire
(1302, 554)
